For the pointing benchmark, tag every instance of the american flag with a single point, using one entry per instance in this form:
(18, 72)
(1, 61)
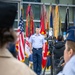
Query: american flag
(20, 40)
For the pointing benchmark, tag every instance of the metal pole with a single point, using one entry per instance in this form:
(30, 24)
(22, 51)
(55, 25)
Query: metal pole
(11, 1)
(37, 3)
(19, 11)
(39, 21)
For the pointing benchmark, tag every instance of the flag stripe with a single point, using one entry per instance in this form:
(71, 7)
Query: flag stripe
(20, 40)
(21, 44)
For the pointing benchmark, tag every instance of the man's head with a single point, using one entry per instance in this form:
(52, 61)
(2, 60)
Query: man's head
(70, 45)
(37, 29)
(8, 13)
(60, 38)
(69, 50)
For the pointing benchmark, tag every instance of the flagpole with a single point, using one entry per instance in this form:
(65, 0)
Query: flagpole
(19, 11)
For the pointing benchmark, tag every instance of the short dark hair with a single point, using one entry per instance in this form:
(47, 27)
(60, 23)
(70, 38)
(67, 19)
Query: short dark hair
(60, 38)
(70, 45)
(6, 35)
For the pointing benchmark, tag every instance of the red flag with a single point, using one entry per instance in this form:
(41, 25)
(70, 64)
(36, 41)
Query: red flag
(29, 29)
(42, 20)
(31, 22)
(27, 20)
(44, 27)
(44, 58)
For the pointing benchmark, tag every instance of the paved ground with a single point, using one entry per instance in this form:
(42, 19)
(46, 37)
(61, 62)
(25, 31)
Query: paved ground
(47, 72)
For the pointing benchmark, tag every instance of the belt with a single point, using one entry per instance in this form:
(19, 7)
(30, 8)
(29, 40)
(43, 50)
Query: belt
(37, 48)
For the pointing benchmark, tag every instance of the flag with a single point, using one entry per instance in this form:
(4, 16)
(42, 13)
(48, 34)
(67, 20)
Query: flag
(60, 26)
(17, 42)
(51, 18)
(42, 20)
(20, 40)
(29, 29)
(50, 21)
(27, 47)
(27, 21)
(56, 22)
(31, 22)
(49, 15)
(44, 27)
(47, 62)
(66, 24)
(44, 56)
(45, 19)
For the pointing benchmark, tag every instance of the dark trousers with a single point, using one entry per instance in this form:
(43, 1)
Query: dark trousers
(37, 60)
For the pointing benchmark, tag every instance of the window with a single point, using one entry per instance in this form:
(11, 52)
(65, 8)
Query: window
(57, 1)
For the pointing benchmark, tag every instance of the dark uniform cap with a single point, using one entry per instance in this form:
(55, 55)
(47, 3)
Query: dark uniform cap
(71, 34)
(38, 26)
(8, 13)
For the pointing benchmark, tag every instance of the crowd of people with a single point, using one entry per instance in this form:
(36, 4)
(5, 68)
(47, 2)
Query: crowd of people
(9, 65)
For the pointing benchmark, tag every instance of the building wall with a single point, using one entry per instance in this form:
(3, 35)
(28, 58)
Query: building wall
(62, 9)
(66, 1)
(48, 1)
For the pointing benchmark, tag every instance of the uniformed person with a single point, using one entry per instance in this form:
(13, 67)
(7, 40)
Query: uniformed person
(37, 41)
(69, 53)
(8, 64)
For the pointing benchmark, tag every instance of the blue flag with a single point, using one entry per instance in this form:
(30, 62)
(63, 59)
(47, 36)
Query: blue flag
(51, 20)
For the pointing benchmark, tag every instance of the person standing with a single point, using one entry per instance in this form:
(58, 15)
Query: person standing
(59, 49)
(58, 52)
(8, 64)
(69, 53)
(36, 44)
